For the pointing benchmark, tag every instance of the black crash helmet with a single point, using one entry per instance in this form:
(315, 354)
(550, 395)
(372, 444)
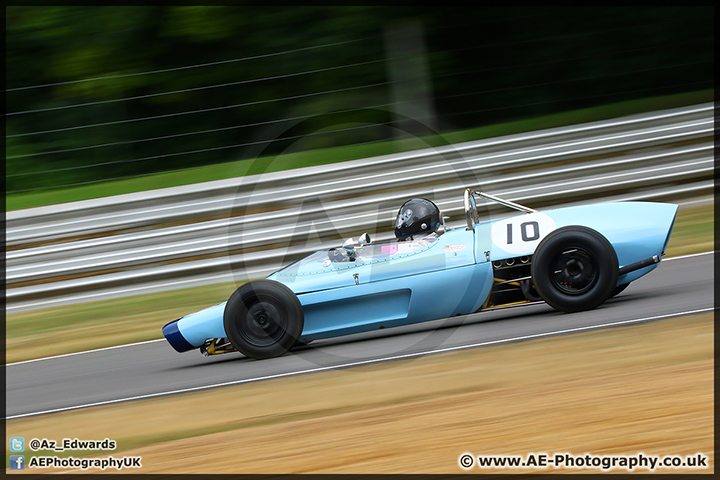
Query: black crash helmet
(417, 216)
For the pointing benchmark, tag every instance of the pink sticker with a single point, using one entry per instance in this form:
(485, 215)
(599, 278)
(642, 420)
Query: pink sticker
(388, 249)
(454, 248)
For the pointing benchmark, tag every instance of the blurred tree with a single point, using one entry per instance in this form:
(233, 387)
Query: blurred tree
(262, 65)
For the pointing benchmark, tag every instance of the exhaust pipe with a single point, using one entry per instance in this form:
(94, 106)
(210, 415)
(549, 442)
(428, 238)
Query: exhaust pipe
(524, 259)
(638, 265)
(510, 262)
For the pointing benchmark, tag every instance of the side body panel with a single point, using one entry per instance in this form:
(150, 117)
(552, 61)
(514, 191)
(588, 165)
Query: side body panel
(399, 287)
(394, 302)
(365, 307)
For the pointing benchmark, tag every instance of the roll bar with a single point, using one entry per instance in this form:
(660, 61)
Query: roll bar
(471, 213)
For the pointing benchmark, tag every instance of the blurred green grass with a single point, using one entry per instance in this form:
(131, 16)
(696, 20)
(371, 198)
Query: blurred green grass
(340, 154)
(105, 323)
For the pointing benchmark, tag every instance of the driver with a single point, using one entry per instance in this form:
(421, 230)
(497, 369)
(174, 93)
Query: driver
(417, 219)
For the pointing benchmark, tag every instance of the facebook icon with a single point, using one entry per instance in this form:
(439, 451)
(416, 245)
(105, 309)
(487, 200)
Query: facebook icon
(17, 462)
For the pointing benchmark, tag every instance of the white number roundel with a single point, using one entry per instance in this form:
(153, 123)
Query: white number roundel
(521, 235)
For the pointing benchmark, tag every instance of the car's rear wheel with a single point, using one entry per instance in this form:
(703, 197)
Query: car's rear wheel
(263, 319)
(575, 268)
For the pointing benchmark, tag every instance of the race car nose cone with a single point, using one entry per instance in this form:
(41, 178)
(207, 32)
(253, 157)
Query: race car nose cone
(175, 338)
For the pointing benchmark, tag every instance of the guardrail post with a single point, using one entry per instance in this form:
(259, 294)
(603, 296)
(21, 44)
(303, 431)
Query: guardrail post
(410, 88)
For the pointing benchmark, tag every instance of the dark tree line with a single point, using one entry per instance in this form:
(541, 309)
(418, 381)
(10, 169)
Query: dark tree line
(254, 67)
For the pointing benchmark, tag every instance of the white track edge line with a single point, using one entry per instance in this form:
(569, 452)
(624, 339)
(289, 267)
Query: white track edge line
(85, 351)
(689, 255)
(364, 362)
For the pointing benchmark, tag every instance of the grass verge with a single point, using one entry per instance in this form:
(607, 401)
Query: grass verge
(333, 155)
(105, 323)
(644, 388)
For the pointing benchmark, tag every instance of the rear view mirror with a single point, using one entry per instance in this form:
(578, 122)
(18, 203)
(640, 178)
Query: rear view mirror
(364, 239)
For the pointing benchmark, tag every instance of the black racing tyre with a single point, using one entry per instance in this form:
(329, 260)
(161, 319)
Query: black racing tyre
(574, 269)
(619, 290)
(263, 319)
(529, 291)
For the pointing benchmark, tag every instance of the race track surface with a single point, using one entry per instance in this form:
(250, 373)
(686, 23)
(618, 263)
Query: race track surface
(150, 369)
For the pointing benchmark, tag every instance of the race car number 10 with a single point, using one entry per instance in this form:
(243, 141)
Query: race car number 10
(521, 235)
(534, 226)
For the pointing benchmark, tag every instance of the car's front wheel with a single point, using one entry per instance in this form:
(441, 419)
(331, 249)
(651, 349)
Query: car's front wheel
(575, 268)
(263, 319)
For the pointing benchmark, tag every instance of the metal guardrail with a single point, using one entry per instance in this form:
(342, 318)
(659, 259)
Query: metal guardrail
(643, 156)
(143, 208)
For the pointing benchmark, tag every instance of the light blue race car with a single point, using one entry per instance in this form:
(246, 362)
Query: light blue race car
(573, 258)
